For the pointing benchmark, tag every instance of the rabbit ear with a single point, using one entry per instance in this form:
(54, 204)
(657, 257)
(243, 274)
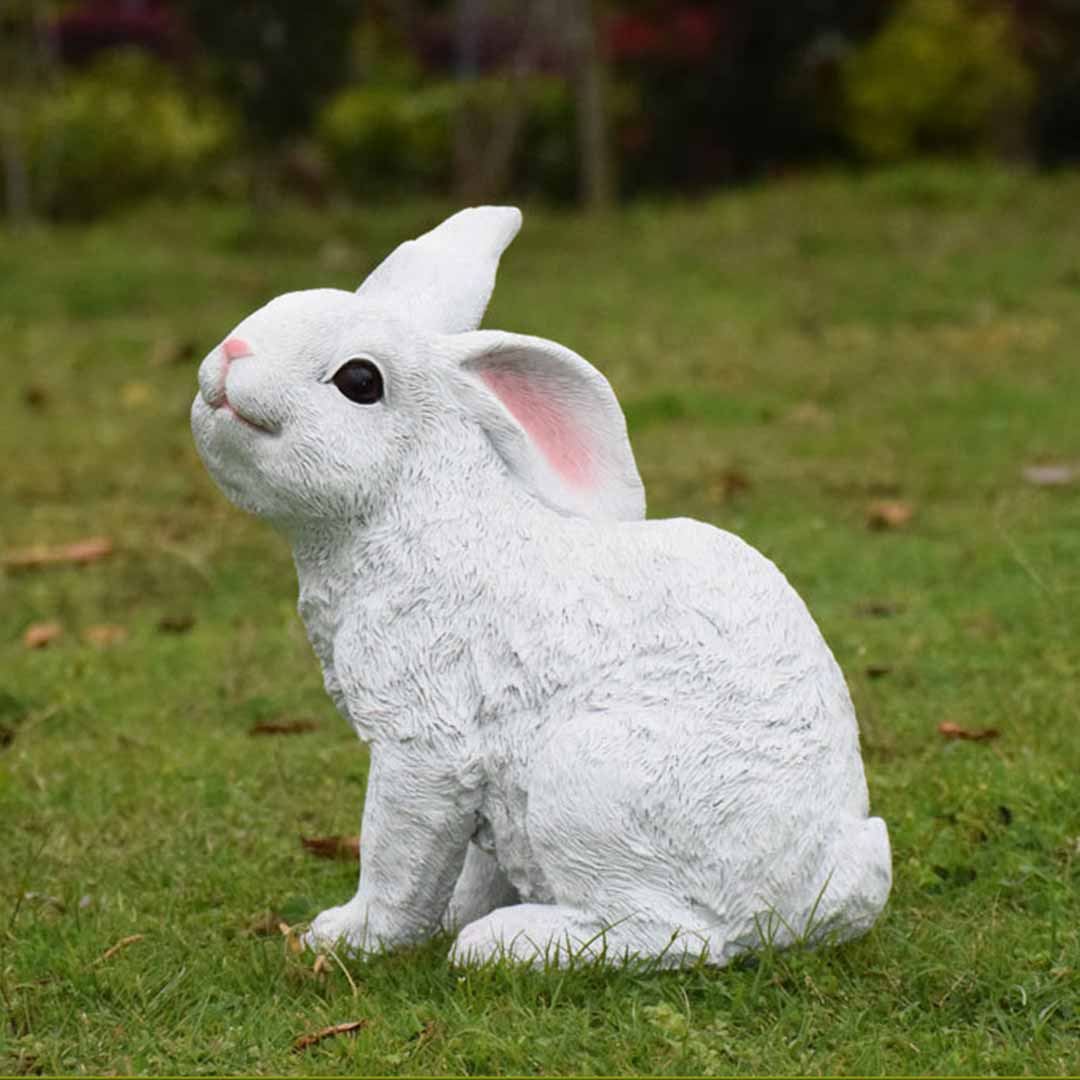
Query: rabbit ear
(554, 420)
(442, 281)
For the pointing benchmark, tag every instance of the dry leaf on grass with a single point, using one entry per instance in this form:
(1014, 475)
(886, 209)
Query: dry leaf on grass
(953, 731)
(41, 634)
(104, 635)
(1058, 474)
(172, 351)
(350, 1028)
(880, 609)
(809, 414)
(123, 943)
(426, 1033)
(80, 553)
(268, 924)
(333, 847)
(177, 623)
(45, 898)
(136, 394)
(290, 727)
(728, 483)
(292, 938)
(28, 1064)
(888, 514)
(35, 397)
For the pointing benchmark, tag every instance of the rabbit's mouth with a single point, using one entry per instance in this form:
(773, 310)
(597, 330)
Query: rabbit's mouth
(214, 394)
(219, 404)
(228, 407)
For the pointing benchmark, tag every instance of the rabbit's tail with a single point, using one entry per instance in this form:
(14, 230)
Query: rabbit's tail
(854, 892)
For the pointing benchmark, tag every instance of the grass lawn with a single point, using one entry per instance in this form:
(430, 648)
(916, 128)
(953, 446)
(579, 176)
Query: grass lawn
(786, 356)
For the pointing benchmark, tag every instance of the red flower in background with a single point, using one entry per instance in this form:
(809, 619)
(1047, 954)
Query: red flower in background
(688, 32)
(92, 27)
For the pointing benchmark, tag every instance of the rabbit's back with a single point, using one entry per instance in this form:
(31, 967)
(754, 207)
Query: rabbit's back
(682, 617)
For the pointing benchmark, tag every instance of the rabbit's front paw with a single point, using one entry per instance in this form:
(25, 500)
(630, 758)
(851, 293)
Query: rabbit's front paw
(343, 928)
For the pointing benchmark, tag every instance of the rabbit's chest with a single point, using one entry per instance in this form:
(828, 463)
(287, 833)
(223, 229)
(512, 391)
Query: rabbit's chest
(401, 670)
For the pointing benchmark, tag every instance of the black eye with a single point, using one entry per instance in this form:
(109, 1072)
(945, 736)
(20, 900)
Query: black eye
(360, 381)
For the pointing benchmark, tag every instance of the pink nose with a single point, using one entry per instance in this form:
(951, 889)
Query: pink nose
(235, 347)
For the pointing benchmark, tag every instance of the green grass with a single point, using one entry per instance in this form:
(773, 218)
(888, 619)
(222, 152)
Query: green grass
(911, 335)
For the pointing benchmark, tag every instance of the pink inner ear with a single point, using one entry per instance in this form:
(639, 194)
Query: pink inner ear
(549, 423)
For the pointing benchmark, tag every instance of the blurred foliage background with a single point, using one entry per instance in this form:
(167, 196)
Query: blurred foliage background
(103, 102)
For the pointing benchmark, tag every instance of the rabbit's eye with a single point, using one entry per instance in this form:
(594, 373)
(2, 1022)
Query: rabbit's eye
(360, 381)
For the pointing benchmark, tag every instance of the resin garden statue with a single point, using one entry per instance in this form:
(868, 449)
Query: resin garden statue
(591, 735)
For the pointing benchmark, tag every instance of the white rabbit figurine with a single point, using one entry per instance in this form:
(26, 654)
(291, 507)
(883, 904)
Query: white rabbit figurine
(590, 734)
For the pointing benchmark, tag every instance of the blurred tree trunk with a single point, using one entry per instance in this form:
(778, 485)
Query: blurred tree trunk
(16, 179)
(487, 141)
(467, 18)
(591, 78)
(26, 66)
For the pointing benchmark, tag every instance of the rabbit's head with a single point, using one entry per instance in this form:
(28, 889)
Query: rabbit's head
(322, 402)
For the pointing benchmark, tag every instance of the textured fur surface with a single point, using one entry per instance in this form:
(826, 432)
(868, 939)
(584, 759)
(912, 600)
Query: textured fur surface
(590, 733)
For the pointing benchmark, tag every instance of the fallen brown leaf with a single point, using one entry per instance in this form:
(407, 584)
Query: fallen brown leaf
(136, 394)
(983, 625)
(41, 634)
(350, 1028)
(1052, 475)
(28, 1064)
(35, 397)
(45, 898)
(426, 1033)
(727, 483)
(292, 938)
(172, 351)
(888, 514)
(809, 414)
(954, 731)
(265, 925)
(879, 609)
(290, 727)
(123, 943)
(104, 635)
(333, 847)
(80, 553)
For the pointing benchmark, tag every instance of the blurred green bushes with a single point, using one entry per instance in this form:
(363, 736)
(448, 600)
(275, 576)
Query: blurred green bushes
(367, 104)
(940, 76)
(118, 131)
(383, 139)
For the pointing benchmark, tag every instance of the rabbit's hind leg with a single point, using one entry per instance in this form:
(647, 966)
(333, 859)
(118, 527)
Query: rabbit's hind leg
(616, 854)
(616, 825)
(554, 935)
(524, 933)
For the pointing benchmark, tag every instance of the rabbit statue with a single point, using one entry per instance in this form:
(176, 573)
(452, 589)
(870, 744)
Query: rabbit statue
(591, 735)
